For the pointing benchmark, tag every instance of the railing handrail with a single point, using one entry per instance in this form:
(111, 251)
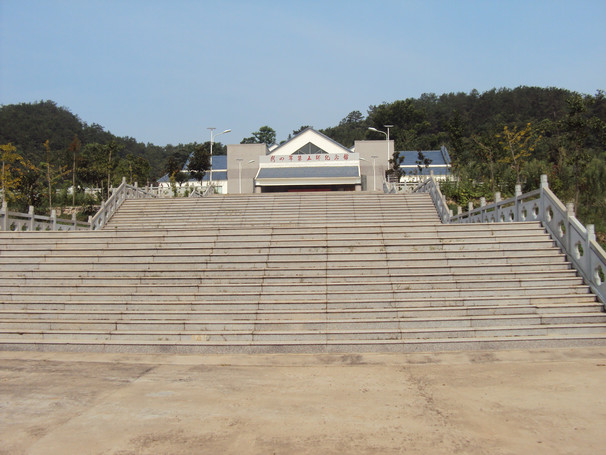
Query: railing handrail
(32, 222)
(429, 185)
(109, 207)
(559, 220)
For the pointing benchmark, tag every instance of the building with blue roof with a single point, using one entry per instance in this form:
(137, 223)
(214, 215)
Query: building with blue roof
(311, 161)
(415, 167)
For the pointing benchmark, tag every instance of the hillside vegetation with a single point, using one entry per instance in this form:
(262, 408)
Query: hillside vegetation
(496, 139)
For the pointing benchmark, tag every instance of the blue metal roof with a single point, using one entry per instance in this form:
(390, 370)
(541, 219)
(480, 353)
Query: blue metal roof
(303, 172)
(437, 157)
(219, 162)
(438, 170)
(217, 175)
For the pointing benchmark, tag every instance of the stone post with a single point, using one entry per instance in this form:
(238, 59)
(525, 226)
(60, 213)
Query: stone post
(568, 234)
(518, 204)
(483, 212)
(32, 219)
(544, 182)
(544, 186)
(53, 219)
(4, 216)
(587, 251)
(497, 209)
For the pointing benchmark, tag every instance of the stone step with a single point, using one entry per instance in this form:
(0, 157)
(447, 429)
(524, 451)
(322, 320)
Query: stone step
(277, 253)
(252, 305)
(195, 265)
(363, 253)
(328, 346)
(300, 335)
(318, 286)
(311, 324)
(159, 304)
(301, 296)
(556, 264)
(37, 279)
(247, 241)
(291, 273)
(311, 314)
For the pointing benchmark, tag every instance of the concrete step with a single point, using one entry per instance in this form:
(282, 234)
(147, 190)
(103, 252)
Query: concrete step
(283, 326)
(294, 335)
(261, 294)
(297, 314)
(253, 303)
(319, 285)
(37, 279)
(201, 346)
(236, 272)
(291, 273)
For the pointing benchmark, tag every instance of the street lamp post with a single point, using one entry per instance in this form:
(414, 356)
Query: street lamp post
(386, 137)
(212, 140)
(374, 172)
(239, 160)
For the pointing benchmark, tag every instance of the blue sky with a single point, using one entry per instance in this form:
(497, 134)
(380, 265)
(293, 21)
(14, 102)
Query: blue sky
(162, 71)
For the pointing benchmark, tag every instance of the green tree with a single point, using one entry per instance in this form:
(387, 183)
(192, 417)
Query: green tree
(54, 173)
(395, 171)
(11, 175)
(74, 147)
(173, 168)
(134, 168)
(199, 162)
(265, 135)
(518, 146)
(422, 162)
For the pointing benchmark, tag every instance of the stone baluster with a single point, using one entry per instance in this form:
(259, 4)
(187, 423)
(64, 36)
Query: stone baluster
(483, 212)
(497, 210)
(587, 252)
(4, 216)
(53, 219)
(569, 214)
(31, 219)
(518, 204)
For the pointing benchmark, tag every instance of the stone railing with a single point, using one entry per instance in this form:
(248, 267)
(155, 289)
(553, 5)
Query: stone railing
(109, 207)
(208, 190)
(397, 187)
(15, 221)
(575, 240)
(433, 188)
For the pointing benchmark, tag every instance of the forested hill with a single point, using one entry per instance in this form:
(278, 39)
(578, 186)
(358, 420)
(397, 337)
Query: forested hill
(28, 125)
(500, 138)
(464, 122)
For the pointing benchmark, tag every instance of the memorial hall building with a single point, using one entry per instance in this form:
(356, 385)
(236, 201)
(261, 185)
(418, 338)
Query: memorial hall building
(311, 161)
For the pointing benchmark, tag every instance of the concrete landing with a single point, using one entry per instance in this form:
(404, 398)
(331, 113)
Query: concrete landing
(504, 402)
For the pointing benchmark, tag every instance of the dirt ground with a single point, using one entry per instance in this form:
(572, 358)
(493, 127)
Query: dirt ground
(504, 402)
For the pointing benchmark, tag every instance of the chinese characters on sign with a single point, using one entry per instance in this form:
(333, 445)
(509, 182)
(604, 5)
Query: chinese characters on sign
(307, 158)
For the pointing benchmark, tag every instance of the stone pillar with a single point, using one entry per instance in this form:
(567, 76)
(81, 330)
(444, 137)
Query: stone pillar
(32, 218)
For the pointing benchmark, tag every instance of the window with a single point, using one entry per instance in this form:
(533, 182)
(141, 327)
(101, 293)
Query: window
(309, 149)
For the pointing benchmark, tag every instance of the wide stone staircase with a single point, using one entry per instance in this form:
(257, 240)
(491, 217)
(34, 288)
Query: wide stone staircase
(298, 272)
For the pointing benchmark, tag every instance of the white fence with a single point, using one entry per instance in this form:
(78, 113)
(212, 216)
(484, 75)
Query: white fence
(576, 241)
(14, 221)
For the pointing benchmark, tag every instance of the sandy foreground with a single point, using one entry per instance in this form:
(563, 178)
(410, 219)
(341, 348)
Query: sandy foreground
(503, 402)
